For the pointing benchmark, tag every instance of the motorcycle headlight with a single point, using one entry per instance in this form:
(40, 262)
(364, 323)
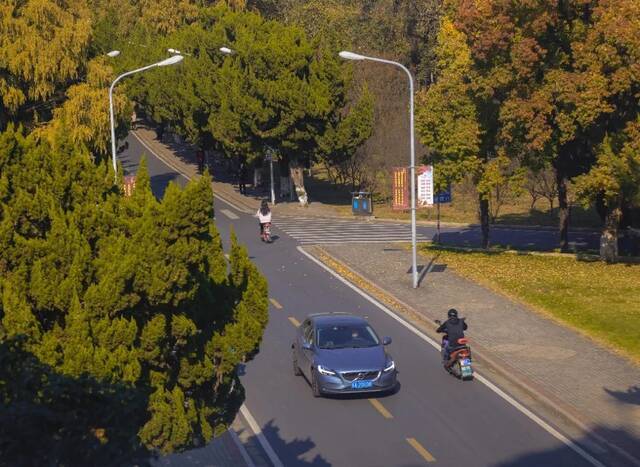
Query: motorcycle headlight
(325, 371)
(390, 366)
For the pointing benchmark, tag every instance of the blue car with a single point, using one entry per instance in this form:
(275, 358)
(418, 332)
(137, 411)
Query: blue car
(341, 353)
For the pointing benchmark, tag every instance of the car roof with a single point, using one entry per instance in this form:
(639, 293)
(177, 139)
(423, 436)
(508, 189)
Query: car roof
(336, 318)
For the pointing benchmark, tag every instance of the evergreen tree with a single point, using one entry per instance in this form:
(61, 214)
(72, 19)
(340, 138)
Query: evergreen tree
(124, 297)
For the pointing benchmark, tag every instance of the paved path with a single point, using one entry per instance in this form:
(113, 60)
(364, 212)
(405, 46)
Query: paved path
(432, 416)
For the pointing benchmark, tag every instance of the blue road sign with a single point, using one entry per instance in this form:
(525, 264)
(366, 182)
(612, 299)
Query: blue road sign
(443, 196)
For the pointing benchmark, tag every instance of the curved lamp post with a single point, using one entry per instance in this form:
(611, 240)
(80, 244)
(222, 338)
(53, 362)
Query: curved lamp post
(353, 56)
(169, 61)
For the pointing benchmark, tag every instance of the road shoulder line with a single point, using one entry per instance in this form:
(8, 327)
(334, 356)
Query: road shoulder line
(182, 172)
(241, 448)
(522, 409)
(271, 454)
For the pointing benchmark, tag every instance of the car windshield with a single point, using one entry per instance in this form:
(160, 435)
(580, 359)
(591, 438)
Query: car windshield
(342, 336)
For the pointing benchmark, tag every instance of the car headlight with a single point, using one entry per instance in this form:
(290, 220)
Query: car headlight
(390, 366)
(325, 371)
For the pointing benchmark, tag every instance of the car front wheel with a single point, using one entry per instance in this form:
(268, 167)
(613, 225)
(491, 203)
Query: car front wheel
(296, 368)
(315, 387)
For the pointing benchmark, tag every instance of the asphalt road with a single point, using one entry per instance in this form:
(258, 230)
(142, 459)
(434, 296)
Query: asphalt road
(433, 417)
(521, 238)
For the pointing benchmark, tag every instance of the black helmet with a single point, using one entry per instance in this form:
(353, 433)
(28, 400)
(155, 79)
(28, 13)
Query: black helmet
(452, 313)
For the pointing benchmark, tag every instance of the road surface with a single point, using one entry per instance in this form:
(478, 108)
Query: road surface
(432, 418)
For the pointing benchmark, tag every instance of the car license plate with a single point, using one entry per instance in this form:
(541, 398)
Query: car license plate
(466, 361)
(361, 384)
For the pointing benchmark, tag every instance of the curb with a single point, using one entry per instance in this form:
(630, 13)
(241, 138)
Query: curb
(492, 363)
(186, 169)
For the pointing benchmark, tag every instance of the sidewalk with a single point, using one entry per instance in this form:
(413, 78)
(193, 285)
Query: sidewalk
(594, 390)
(181, 157)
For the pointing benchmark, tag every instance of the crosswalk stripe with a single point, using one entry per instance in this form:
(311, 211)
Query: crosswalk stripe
(229, 214)
(332, 231)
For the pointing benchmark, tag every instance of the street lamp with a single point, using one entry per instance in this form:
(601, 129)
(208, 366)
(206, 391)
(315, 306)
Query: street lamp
(226, 50)
(166, 62)
(177, 52)
(353, 56)
(113, 53)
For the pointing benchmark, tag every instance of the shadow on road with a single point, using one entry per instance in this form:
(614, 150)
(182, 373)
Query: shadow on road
(630, 396)
(291, 452)
(160, 182)
(564, 456)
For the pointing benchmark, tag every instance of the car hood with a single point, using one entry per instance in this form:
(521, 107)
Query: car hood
(367, 358)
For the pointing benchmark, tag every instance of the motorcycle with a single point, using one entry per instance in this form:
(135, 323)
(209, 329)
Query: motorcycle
(266, 232)
(459, 361)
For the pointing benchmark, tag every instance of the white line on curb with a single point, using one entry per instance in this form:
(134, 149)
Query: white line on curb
(241, 448)
(273, 457)
(179, 170)
(528, 413)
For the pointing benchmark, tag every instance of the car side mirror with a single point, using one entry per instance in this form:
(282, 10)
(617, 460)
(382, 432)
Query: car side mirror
(386, 341)
(307, 345)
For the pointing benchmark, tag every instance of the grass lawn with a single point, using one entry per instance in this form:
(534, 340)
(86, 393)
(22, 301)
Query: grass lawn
(600, 300)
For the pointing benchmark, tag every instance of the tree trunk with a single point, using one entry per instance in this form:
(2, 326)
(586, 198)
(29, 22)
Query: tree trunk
(297, 176)
(563, 213)
(609, 238)
(484, 221)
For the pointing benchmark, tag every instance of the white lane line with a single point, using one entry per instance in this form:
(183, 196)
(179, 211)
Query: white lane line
(271, 454)
(243, 451)
(339, 242)
(352, 236)
(179, 170)
(330, 225)
(163, 159)
(528, 413)
(229, 214)
(302, 230)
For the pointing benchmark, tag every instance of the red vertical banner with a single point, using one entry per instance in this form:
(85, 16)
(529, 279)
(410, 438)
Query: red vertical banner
(129, 184)
(400, 188)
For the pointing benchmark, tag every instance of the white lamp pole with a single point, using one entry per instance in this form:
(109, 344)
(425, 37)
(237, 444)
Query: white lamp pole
(353, 56)
(169, 61)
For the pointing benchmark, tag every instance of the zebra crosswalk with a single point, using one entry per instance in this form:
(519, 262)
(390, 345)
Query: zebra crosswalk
(308, 230)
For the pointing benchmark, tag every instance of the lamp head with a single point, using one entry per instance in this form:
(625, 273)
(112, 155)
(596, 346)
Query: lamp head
(351, 56)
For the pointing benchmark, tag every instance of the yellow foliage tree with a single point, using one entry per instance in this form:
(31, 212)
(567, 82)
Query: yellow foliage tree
(43, 46)
(84, 116)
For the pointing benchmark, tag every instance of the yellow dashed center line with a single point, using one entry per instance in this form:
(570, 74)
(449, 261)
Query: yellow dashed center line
(294, 321)
(380, 408)
(426, 455)
(275, 303)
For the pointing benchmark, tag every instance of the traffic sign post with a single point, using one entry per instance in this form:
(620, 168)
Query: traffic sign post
(269, 158)
(441, 197)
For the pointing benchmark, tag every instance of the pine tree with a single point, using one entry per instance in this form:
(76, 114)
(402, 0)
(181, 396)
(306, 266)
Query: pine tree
(124, 303)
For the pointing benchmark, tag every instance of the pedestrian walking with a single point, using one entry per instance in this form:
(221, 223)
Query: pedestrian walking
(242, 178)
(200, 160)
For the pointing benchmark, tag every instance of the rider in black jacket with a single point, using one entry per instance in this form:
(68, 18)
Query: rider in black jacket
(453, 328)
